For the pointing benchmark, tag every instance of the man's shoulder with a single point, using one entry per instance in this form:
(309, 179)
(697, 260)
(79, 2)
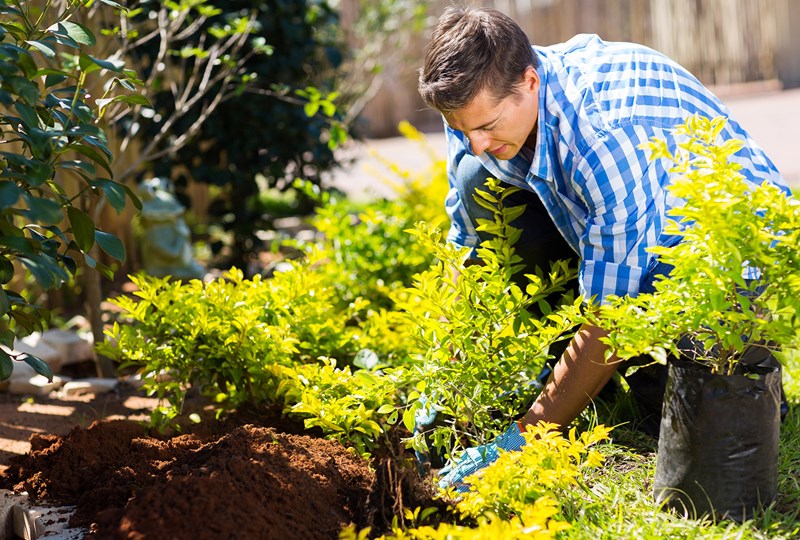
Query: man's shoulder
(589, 53)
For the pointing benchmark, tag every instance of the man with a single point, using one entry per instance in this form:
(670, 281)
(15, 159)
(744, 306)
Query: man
(565, 124)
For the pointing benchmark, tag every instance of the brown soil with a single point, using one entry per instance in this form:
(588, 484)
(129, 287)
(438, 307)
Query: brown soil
(235, 479)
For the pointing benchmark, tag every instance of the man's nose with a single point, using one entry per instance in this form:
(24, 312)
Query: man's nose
(478, 142)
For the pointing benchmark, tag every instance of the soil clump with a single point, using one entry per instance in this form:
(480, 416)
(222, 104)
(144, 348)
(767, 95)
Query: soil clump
(240, 482)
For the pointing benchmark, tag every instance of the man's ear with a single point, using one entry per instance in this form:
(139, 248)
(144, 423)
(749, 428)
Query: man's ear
(530, 80)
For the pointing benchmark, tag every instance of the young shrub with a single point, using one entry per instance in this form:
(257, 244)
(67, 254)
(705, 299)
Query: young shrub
(736, 276)
(354, 407)
(226, 338)
(482, 350)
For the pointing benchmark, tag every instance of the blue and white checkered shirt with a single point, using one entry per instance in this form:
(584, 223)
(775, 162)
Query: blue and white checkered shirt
(597, 102)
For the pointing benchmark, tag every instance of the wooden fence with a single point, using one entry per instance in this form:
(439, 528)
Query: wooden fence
(722, 42)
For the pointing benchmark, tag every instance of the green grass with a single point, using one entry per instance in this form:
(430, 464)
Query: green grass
(618, 502)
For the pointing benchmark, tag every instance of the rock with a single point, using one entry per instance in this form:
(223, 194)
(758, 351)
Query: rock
(93, 385)
(8, 500)
(33, 522)
(37, 385)
(73, 347)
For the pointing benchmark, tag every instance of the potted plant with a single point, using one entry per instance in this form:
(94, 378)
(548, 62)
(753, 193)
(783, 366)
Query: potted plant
(728, 304)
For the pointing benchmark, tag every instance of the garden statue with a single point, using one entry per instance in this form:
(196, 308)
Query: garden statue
(165, 243)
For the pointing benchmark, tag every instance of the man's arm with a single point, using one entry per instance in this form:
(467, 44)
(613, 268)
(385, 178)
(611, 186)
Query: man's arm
(578, 376)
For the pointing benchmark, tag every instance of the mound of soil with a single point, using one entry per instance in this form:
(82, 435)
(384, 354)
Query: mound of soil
(246, 482)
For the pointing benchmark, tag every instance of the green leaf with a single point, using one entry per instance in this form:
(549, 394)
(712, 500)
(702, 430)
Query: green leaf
(88, 64)
(45, 48)
(110, 244)
(386, 408)
(5, 305)
(46, 211)
(24, 88)
(74, 31)
(95, 156)
(82, 228)
(9, 194)
(83, 168)
(28, 115)
(409, 420)
(45, 271)
(114, 192)
(39, 366)
(6, 365)
(6, 269)
(132, 99)
(7, 338)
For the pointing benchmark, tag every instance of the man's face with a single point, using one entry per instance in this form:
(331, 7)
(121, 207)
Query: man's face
(503, 128)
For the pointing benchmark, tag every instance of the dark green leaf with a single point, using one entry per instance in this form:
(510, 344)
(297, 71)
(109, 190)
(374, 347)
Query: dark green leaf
(134, 198)
(45, 48)
(6, 269)
(45, 271)
(17, 243)
(95, 156)
(4, 303)
(28, 322)
(28, 66)
(16, 29)
(115, 193)
(9, 194)
(86, 130)
(83, 168)
(82, 228)
(89, 63)
(99, 143)
(28, 115)
(24, 88)
(52, 80)
(70, 264)
(7, 338)
(39, 366)
(6, 365)
(110, 244)
(45, 211)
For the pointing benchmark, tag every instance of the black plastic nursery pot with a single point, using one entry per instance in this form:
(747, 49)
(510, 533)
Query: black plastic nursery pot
(718, 441)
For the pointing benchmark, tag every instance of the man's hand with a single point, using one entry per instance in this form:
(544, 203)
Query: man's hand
(474, 459)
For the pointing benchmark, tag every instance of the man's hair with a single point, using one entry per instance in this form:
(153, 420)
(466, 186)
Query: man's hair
(472, 49)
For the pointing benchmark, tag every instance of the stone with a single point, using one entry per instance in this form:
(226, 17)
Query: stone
(74, 347)
(33, 522)
(92, 385)
(37, 385)
(9, 499)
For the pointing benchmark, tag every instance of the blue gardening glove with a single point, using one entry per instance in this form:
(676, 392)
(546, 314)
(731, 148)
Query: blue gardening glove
(478, 457)
(423, 419)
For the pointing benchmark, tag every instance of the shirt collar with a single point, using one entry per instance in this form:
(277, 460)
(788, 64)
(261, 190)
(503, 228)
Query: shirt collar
(540, 166)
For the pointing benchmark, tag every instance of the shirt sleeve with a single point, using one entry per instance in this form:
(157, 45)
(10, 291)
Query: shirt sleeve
(624, 194)
(462, 231)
